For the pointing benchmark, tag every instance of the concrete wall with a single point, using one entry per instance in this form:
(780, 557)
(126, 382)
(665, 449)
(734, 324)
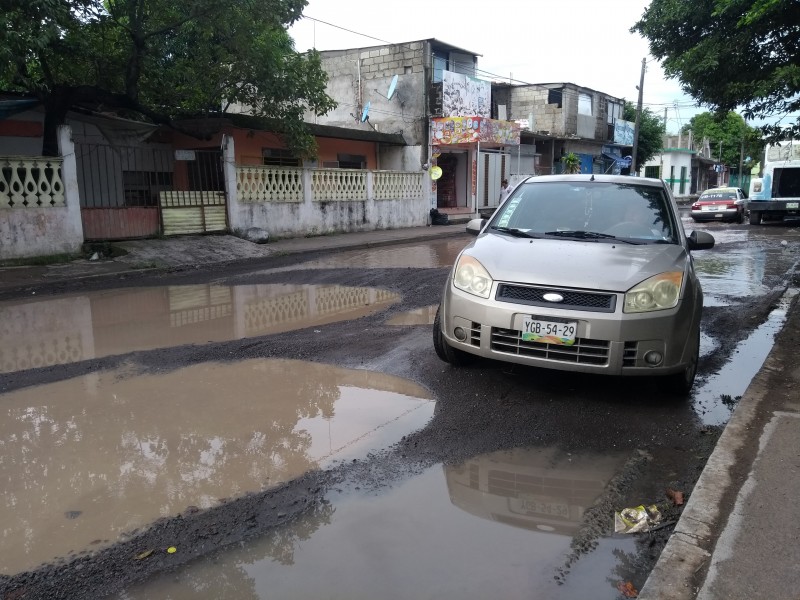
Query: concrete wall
(40, 231)
(313, 216)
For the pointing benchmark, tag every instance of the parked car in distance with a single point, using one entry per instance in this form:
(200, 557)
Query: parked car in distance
(579, 273)
(720, 204)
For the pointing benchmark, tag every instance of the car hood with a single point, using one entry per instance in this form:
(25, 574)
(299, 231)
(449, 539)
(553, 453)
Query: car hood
(615, 266)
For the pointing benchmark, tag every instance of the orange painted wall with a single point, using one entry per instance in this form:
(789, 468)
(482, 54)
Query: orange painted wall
(249, 144)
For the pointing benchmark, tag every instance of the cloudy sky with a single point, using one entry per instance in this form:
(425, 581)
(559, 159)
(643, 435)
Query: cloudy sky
(586, 42)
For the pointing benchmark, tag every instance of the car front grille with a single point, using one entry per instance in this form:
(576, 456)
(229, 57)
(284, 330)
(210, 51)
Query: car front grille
(572, 299)
(475, 335)
(583, 351)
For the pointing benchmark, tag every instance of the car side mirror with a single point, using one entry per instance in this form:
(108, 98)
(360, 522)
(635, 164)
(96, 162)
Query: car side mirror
(701, 240)
(475, 226)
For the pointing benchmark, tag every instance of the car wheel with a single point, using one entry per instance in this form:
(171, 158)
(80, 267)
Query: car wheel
(681, 383)
(444, 351)
(755, 217)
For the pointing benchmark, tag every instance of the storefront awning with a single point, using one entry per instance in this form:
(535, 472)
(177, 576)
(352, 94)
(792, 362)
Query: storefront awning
(447, 131)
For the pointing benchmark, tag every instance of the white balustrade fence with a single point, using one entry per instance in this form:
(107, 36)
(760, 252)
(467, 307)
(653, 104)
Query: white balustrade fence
(285, 184)
(397, 185)
(269, 184)
(30, 182)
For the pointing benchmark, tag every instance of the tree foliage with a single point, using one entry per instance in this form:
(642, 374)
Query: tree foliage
(163, 59)
(731, 53)
(730, 133)
(651, 133)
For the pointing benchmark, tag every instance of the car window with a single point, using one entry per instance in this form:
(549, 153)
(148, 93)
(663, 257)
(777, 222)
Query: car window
(719, 195)
(590, 206)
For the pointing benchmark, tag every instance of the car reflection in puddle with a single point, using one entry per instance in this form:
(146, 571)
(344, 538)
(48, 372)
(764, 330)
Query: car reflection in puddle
(420, 538)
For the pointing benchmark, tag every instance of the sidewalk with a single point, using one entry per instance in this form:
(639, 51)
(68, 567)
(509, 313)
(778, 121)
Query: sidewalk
(738, 536)
(205, 250)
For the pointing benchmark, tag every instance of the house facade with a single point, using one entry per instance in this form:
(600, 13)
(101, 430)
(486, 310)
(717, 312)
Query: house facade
(120, 179)
(562, 118)
(685, 165)
(429, 92)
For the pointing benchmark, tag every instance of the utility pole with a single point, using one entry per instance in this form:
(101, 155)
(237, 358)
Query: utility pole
(634, 162)
(741, 163)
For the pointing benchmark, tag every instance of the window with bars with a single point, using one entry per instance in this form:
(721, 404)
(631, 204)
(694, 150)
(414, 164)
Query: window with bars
(279, 157)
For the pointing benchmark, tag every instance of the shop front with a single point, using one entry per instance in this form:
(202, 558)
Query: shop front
(470, 156)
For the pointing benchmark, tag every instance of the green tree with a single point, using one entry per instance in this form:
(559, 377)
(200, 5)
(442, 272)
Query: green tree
(651, 133)
(730, 133)
(571, 162)
(163, 60)
(731, 53)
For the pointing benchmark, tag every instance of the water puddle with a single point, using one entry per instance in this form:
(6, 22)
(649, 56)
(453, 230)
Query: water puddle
(716, 399)
(38, 333)
(498, 526)
(733, 273)
(85, 460)
(441, 253)
(419, 316)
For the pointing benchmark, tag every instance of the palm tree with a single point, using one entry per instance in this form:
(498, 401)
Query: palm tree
(571, 162)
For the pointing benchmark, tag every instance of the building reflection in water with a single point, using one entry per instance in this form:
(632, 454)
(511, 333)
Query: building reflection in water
(74, 328)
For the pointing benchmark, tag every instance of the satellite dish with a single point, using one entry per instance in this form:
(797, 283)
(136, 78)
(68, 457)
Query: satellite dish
(392, 88)
(365, 113)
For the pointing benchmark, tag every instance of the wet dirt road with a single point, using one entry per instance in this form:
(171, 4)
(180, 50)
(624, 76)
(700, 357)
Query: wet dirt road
(289, 432)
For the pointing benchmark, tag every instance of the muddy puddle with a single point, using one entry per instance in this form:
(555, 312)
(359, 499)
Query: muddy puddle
(715, 400)
(734, 273)
(497, 526)
(430, 255)
(67, 329)
(418, 316)
(87, 460)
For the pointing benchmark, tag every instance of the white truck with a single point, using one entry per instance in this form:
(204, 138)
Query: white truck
(776, 194)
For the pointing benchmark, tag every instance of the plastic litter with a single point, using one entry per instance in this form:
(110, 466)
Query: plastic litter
(635, 520)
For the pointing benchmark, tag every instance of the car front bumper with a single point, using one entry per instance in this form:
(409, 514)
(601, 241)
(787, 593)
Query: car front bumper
(611, 343)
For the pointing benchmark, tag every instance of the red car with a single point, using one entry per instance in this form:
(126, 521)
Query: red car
(720, 204)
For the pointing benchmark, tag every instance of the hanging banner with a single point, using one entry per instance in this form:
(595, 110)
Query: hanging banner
(468, 130)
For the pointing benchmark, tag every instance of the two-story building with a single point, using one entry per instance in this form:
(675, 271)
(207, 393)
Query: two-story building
(428, 91)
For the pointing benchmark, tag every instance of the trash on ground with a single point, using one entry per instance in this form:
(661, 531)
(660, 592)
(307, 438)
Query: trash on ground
(626, 589)
(675, 496)
(637, 519)
(172, 550)
(144, 555)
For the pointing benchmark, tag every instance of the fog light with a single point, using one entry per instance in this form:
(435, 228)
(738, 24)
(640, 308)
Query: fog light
(460, 334)
(653, 358)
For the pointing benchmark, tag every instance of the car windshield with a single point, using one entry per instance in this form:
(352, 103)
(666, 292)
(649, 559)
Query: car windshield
(590, 211)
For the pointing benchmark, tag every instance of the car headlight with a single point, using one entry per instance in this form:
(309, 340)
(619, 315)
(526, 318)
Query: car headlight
(659, 292)
(471, 277)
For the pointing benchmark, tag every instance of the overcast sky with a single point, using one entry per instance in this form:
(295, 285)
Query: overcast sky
(585, 42)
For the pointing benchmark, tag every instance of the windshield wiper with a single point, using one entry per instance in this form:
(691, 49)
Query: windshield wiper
(588, 235)
(514, 231)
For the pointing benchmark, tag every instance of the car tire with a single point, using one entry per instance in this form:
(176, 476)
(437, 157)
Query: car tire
(681, 383)
(444, 351)
(755, 217)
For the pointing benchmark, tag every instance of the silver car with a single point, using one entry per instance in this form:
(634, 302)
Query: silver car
(588, 273)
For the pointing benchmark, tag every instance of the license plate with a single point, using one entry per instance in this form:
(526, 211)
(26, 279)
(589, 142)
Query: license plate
(793, 205)
(549, 332)
(544, 506)
(710, 208)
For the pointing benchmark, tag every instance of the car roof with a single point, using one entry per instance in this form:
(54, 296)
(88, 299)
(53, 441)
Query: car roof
(719, 189)
(575, 178)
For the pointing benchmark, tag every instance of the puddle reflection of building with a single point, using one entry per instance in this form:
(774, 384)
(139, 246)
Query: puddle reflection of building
(530, 488)
(75, 328)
